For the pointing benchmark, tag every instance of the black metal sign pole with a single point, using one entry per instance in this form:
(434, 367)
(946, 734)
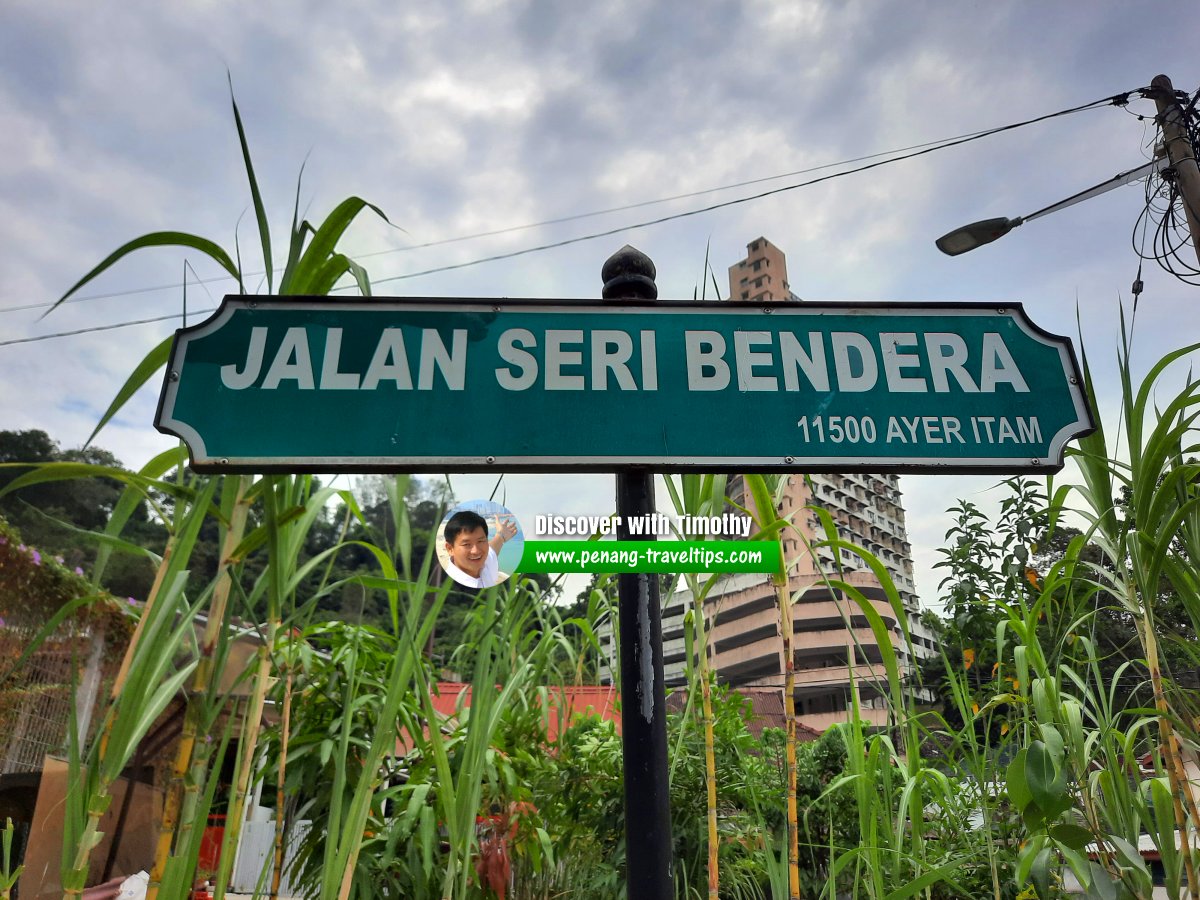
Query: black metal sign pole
(629, 274)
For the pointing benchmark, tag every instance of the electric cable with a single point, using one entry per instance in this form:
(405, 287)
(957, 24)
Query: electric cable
(1120, 99)
(78, 331)
(1171, 246)
(1117, 99)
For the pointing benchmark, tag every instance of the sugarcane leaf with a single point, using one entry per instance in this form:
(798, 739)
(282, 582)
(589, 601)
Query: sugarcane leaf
(153, 361)
(324, 242)
(155, 239)
(260, 213)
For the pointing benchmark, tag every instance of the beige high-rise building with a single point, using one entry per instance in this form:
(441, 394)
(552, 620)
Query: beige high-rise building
(762, 275)
(830, 629)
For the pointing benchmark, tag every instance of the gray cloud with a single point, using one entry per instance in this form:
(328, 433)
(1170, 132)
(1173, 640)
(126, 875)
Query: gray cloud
(471, 116)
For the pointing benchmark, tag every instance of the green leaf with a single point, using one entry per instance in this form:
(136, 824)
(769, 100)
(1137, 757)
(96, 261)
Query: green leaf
(155, 239)
(65, 471)
(101, 538)
(428, 832)
(328, 273)
(1100, 886)
(130, 498)
(64, 612)
(1018, 788)
(1028, 856)
(1133, 859)
(1042, 777)
(415, 804)
(153, 361)
(1071, 835)
(260, 213)
(933, 876)
(1039, 873)
(1054, 744)
(323, 244)
(361, 278)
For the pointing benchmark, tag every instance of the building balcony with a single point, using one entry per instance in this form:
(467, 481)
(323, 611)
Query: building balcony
(839, 676)
(807, 616)
(832, 639)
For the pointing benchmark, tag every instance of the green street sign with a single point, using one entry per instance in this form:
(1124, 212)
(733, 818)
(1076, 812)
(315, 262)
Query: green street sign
(421, 384)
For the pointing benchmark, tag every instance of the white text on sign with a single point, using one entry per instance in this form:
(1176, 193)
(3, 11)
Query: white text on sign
(604, 359)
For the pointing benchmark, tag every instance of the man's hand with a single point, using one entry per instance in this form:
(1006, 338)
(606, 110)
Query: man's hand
(506, 530)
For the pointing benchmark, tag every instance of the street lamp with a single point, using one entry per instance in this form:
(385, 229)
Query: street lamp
(960, 240)
(968, 237)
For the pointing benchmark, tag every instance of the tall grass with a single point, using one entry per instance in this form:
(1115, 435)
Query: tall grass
(156, 667)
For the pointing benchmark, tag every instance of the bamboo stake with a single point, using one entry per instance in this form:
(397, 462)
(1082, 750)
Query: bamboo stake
(173, 801)
(789, 707)
(277, 868)
(710, 761)
(251, 728)
(127, 660)
(73, 881)
(1180, 787)
(771, 526)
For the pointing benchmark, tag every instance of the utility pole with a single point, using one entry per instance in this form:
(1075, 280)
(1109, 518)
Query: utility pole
(1181, 153)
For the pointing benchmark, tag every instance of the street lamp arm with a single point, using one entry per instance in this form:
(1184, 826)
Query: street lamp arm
(968, 237)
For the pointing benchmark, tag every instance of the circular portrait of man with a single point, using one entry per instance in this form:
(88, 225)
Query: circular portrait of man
(480, 543)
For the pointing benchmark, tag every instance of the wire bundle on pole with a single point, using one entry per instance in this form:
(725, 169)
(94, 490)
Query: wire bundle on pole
(1164, 218)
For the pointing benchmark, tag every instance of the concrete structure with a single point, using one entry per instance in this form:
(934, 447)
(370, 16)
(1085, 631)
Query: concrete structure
(831, 631)
(762, 275)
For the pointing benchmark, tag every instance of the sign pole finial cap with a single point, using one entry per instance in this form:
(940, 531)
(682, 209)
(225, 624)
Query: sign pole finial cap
(629, 275)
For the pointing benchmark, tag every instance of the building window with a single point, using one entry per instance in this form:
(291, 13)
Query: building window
(745, 295)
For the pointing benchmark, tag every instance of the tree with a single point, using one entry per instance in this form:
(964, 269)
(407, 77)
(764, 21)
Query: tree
(56, 516)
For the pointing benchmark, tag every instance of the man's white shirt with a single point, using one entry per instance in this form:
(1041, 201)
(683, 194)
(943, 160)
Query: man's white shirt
(489, 575)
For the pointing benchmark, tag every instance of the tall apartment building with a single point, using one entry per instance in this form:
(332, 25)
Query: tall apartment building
(762, 275)
(830, 631)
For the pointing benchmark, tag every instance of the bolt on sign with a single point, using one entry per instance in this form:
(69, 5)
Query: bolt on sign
(408, 384)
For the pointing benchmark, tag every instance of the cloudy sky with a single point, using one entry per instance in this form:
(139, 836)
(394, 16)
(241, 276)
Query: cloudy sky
(464, 117)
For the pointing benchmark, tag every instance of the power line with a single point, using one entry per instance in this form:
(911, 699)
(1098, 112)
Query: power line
(77, 331)
(127, 292)
(923, 149)
(1117, 99)
(644, 203)
(514, 228)
(927, 146)
(183, 314)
